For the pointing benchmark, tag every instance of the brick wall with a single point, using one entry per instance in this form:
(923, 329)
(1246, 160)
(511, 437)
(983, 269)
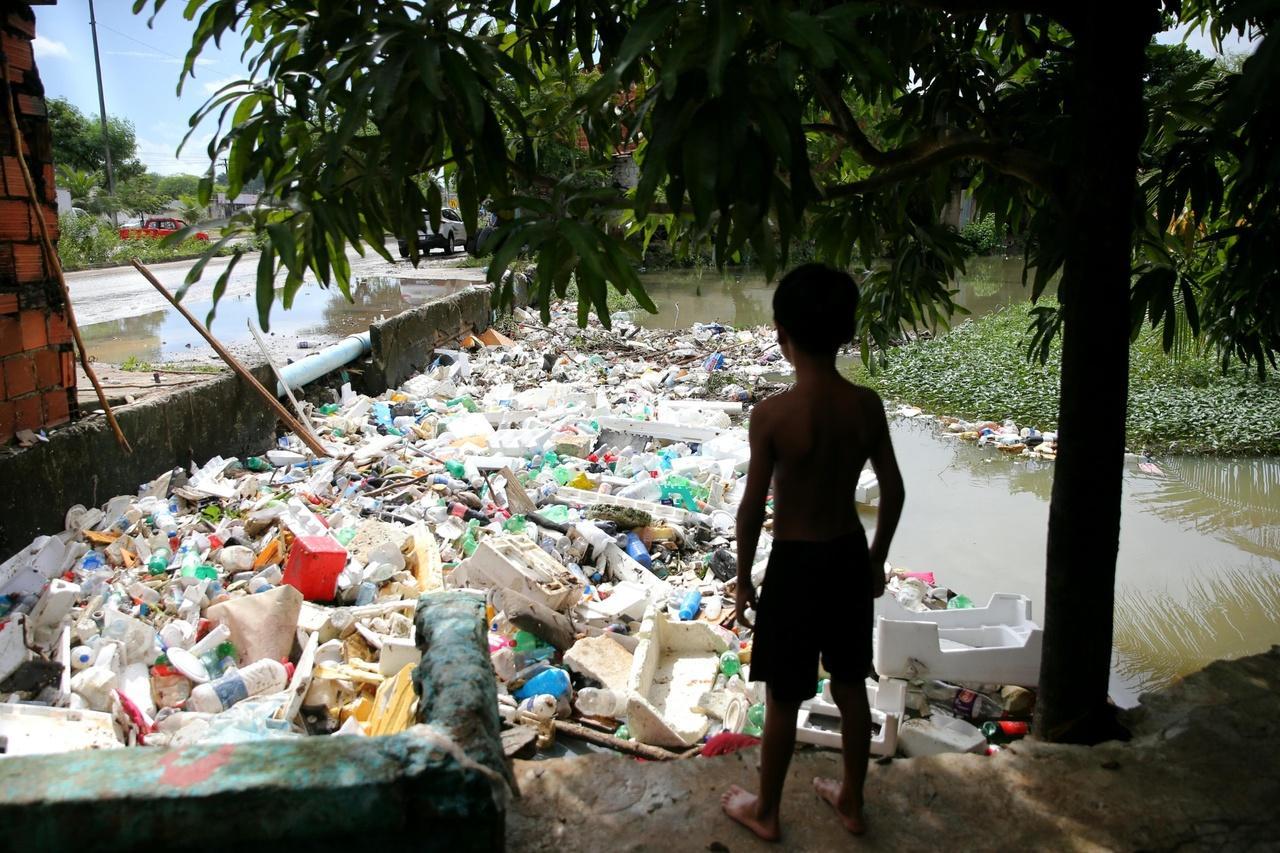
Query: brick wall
(37, 366)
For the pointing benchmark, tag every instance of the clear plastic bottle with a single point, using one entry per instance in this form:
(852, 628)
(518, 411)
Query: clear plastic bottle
(263, 676)
(600, 702)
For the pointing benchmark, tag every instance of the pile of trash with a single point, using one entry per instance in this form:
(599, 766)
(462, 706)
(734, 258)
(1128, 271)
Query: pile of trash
(589, 493)
(1006, 437)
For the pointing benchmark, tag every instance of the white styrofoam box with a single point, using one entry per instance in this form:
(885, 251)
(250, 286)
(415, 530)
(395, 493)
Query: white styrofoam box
(939, 733)
(888, 701)
(674, 664)
(55, 604)
(731, 408)
(868, 488)
(628, 598)
(589, 498)
(516, 563)
(495, 463)
(654, 429)
(465, 426)
(519, 442)
(28, 570)
(995, 644)
(38, 729)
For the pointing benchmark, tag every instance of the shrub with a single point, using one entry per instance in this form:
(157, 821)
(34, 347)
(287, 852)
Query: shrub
(982, 235)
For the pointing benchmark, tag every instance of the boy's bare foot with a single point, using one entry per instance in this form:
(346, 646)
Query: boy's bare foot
(741, 806)
(829, 790)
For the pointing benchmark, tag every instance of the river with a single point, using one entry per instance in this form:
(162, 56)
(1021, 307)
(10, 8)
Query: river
(1198, 573)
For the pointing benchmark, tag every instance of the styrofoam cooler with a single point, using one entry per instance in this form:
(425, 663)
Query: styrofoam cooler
(995, 644)
(888, 701)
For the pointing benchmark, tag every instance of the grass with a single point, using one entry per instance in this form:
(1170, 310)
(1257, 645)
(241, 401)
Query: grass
(133, 363)
(1186, 405)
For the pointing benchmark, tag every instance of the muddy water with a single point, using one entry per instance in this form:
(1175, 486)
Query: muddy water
(318, 315)
(1198, 573)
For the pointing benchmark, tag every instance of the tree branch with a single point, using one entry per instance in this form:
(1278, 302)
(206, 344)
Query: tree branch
(1005, 159)
(991, 7)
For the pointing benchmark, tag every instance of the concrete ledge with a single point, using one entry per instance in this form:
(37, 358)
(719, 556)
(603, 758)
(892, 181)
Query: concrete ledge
(402, 345)
(327, 793)
(82, 463)
(439, 786)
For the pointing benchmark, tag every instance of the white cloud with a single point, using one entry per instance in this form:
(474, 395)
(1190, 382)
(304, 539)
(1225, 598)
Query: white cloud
(154, 56)
(213, 86)
(46, 48)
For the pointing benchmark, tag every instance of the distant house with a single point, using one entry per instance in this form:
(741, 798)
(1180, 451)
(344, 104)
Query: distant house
(223, 207)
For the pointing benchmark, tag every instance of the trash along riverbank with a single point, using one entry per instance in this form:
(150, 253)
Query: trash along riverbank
(589, 493)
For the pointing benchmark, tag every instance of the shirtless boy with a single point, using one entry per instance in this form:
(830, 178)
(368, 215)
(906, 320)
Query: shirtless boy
(812, 442)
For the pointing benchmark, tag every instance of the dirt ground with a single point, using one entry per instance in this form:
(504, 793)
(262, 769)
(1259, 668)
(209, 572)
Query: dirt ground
(1201, 773)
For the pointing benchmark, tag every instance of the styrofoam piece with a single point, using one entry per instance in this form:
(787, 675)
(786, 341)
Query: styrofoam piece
(519, 442)
(939, 733)
(472, 423)
(501, 419)
(589, 498)
(674, 664)
(13, 645)
(54, 605)
(39, 730)
(868, 488)
(655, 429)
(396, 654)
(888, 701)
(995, 644)
(516, 563)
(628, 598)
(730, 408)
(29, 569)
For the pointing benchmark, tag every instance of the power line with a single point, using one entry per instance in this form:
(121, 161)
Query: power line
(141, 42)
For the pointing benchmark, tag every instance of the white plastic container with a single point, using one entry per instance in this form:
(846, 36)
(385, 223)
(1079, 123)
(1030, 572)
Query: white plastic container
(888, 700)
(939, 733)
(516, 563)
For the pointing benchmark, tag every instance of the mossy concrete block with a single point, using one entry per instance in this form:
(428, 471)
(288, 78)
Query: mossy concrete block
(322, 793)
(455, 682)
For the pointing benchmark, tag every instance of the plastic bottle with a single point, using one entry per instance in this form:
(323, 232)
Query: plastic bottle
(598, 702)
(598, 539)
(264, 676)
(542, 706)
(645, 490)
(1003, 731)
(637, 551)
(966, 704)
(690, 604)
(552, 681)
(730, 663)
(158, 563)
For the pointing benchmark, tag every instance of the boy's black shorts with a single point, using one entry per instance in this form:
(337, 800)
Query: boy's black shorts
(816, 600)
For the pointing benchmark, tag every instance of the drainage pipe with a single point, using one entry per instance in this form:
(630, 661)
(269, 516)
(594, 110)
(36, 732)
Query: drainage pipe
(326, 360)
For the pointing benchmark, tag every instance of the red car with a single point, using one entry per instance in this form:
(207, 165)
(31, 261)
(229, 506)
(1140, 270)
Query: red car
(154, 227)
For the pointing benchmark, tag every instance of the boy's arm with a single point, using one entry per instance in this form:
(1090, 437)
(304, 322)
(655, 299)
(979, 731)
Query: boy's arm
(892, 494)
(751, 510)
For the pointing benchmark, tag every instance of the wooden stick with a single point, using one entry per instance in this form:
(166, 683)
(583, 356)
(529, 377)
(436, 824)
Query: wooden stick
(55, 264)
(301, 432)
(275, 370)
(653, 753)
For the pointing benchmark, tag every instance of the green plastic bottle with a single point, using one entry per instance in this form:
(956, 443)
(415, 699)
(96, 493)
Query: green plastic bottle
(960, 602)
(257, 464)
(158, 563)
(345, 534)
(514, 524)
(329, 409)
(755, 716)
(730, 665)
(623, 732)
(469, 543)
(455, 468)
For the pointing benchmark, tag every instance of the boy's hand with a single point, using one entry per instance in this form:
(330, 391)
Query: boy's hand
(877, 580)
(746, 597)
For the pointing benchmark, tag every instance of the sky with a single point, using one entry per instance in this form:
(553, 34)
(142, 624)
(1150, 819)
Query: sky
(140, 67)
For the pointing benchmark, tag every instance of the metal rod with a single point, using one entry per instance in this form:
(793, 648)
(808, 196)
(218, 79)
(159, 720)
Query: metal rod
(102, 111)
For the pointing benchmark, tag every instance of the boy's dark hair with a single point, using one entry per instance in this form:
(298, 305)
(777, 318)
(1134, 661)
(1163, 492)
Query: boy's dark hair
(818, 308)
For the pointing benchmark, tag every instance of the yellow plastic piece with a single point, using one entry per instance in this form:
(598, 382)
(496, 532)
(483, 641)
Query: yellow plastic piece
(394, 704)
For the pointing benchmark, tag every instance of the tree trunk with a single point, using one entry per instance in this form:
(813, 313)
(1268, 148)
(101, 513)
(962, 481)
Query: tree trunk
(1105, 104)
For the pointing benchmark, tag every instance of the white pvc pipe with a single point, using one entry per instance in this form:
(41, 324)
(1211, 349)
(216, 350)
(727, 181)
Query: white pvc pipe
(326, 360)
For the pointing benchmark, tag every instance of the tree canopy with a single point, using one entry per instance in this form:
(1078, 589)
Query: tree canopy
(1146, 178)
(77, 141)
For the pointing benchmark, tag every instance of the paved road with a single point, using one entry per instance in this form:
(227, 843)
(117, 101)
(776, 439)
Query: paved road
(120, 292)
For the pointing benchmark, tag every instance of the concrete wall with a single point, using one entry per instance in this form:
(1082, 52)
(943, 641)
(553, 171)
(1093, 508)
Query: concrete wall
(82, 464)
(402, 345)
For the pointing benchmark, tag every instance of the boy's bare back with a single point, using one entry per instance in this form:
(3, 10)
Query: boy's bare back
(819, 438)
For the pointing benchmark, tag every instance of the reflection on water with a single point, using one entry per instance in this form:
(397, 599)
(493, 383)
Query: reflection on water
(321, 313)
(1232, 498)
(1160, 637)
(744, 298)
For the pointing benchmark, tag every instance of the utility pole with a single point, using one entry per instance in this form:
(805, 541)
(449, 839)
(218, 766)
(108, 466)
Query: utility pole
(102, 109)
